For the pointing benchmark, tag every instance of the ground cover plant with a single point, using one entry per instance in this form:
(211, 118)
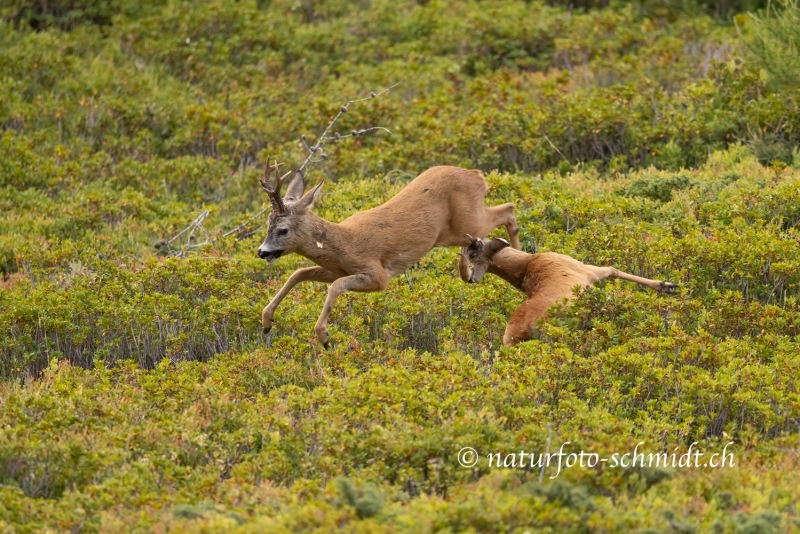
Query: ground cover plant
(137, 392)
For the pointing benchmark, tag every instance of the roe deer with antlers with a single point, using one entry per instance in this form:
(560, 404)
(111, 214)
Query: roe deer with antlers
(362, 253)
(546, 278)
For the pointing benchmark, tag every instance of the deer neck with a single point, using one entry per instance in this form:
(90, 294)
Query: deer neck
(510, 265)
(324, 242)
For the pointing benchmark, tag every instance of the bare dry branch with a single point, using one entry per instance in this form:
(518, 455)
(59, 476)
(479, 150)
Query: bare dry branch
(248, 221)
(559, 152)
(196, 224)
(325, 137)
(355, 133)
(316, 154)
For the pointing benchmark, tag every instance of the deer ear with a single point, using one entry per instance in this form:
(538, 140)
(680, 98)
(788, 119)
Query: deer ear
(296, 187)
(497, 244)
(308, 200)
(476, 244)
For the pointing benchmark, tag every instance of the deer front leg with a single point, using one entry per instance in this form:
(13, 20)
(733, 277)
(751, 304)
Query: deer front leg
(512, 228)
(364, 283)
(503, 215)
(522, 325)
(306, 274)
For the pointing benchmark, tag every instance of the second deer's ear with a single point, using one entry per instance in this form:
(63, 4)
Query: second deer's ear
(496, 245)
(308, 200)
(475, 244)
(296, 187)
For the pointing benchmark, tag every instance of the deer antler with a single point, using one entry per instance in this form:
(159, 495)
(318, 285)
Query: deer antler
(274, 192)
(476, 242)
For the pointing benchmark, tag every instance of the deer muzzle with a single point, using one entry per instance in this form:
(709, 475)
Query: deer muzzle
(269, 255)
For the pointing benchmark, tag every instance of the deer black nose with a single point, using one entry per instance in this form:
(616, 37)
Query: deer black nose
(269, 255)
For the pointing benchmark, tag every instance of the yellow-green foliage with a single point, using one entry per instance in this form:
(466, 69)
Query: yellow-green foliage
(139, 394)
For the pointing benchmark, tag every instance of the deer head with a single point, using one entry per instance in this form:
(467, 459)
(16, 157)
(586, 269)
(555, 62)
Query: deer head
(480, 253)
(286, 228)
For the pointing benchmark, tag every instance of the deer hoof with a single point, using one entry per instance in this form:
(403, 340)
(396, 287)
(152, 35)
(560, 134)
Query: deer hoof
(321, 331)
(669, 287)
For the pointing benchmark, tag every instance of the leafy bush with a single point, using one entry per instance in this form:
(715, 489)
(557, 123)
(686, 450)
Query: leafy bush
(657, 188)
(67, 14)
(772, 41)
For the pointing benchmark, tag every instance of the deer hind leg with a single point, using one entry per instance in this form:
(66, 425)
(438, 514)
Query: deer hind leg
(522, 323)
(364, 283)
(502, 215)
(307, 274)
(602, 273)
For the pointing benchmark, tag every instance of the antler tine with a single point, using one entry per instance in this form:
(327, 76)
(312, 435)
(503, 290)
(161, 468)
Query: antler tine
(274, 192)
(268, 170)
(279, 181)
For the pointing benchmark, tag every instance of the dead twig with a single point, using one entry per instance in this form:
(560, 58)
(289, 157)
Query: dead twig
(315, 154)
(559, 152)
(248, 221)
(196, 224)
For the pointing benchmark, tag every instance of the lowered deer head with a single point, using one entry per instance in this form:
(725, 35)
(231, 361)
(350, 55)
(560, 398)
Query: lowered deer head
(480, 253)
(363, 252)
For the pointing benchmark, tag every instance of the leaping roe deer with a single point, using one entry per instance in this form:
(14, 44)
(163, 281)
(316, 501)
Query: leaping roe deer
(362, 253)
(546, 278)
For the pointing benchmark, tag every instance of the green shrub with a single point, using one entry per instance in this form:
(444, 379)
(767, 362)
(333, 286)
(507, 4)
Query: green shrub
(657, 188)
(772, 40)
(67, 14)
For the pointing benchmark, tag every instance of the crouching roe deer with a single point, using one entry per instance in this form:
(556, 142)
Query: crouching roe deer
(362, 253)
(546, 278)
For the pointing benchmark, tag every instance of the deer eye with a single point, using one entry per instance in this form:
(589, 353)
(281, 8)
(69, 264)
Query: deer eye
(283, 231)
